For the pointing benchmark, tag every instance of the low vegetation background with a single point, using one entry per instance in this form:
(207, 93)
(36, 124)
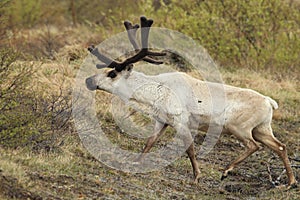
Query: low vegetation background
(42, 45)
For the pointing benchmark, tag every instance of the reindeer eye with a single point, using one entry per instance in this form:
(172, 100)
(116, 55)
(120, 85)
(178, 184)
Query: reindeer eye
(112, 74)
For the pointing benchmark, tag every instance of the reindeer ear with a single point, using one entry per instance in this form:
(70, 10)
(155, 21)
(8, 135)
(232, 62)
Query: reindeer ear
(129, 67)
(127, 71)
(112, 74)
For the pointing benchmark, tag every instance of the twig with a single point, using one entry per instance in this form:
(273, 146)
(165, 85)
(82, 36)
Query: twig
(276, 182)
(279, 177)
(295, 159)
(295, 166)
(269, 172)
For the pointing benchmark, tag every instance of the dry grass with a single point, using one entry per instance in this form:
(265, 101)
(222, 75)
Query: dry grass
(72, 173)
(285, 90)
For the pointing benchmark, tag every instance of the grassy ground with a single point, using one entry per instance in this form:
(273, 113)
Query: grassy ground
(70, 172)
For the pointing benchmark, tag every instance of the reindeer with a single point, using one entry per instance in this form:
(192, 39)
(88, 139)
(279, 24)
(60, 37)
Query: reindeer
(245, 114)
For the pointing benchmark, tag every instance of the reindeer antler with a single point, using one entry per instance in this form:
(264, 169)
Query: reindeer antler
(141, 54)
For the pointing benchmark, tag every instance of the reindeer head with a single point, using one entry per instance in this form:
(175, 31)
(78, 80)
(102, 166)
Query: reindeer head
(113, 71)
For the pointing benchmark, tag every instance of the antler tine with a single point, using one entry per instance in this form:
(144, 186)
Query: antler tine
(131, 31)
(145, 25)
(108, 62)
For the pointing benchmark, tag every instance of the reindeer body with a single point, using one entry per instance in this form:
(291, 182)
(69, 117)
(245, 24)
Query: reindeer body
(170, 95)
(176, 98)
(183, 102)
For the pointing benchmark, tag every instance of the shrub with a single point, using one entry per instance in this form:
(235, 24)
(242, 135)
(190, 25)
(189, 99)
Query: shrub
(26, 117)
(14, 116)
(252, 34)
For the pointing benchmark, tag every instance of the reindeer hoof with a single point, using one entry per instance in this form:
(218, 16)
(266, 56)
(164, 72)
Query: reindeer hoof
(286, 187)
(292, 186)
(196, 179)
(223, 177)
(225, 174)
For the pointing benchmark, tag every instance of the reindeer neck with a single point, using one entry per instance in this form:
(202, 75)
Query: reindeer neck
(145, 89)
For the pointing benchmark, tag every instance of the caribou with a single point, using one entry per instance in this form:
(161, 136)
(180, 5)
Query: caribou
(246, 113)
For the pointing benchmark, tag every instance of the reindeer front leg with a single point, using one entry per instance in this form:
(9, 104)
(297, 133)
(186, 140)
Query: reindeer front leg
(159, 129)
(191, 153)
(185, 134)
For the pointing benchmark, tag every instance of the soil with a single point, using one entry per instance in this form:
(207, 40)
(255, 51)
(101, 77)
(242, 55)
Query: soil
(250, 180)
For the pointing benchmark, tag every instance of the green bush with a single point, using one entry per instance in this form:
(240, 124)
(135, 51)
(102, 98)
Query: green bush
(26, 117)
(3, 21)
(23, 13)
(14, 116)
(252, 34)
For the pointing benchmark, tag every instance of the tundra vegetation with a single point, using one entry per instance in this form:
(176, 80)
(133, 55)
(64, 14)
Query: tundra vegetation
(42, 45)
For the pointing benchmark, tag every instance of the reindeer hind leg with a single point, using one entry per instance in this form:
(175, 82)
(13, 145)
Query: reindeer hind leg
(264, 134)
(251, 147)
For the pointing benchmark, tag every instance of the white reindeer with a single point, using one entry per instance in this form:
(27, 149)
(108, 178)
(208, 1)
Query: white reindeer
(246, 114)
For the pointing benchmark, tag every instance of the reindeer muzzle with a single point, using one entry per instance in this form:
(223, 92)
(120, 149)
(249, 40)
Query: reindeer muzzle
(90, 84)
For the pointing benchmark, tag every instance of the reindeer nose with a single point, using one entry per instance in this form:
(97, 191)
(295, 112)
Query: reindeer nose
(90, 84)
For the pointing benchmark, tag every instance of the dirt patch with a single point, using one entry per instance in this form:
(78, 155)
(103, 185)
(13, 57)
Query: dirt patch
(10, 188)
(83, 177)
(57, 186)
